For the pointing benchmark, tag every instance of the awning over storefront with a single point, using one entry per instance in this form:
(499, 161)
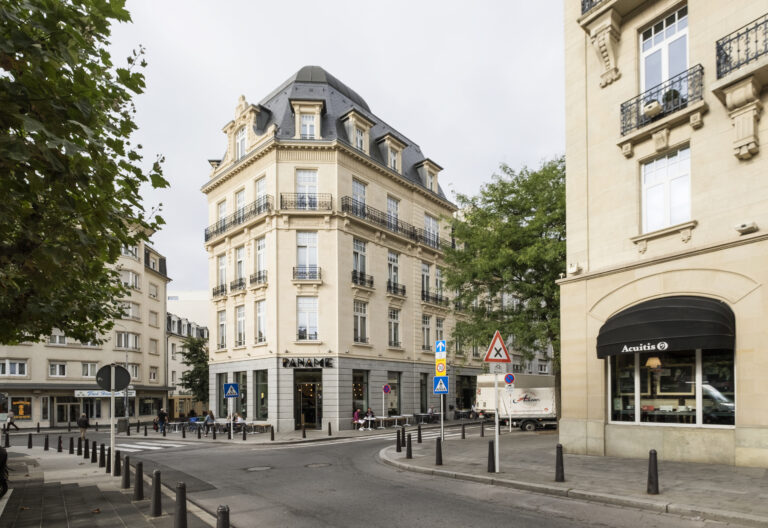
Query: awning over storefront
(668, 324)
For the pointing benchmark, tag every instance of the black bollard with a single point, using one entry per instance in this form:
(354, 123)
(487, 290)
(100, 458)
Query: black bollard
(180, 516)
(7, 439)
(491, 458)
(653, 473)
(438, 452)
(128, 430)
(38, 427)
(45, 446)
(94, 454)
(58, 447)
(164, 428)
(271, 439)
(482, 429)
(463, 432)
(199, 436)
(69, 427)
(408, 448)
(418, 436)
(71, 446)
(117, 467)
(244, 433)
(102, 458)
(222, 517)
(214, 431)
(97, 427)
(559, 470)
(29, 441)
(108, 469)
(303, 430)
(79, 446)
(126, 482)
(138, 486)
(145, 430)
(184, 431)
(138, 426)
(86, 450)
(154, 510)
(329, 428)
(397, 442)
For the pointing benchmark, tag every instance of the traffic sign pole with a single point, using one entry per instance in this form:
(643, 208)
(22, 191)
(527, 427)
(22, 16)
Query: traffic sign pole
(112, 413)
(442, 418)
(496, 414)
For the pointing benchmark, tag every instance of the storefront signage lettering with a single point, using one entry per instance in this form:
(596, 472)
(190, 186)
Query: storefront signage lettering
(646, 347)
(308, 363)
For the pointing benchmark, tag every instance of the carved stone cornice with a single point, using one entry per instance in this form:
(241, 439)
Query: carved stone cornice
(742, 100)
(605, 33)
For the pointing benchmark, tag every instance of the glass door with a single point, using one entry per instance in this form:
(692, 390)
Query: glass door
(308, 398)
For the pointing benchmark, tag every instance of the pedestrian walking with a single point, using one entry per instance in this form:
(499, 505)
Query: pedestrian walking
(83, 424)
(162, 419)
(9, 421)
(209, 422)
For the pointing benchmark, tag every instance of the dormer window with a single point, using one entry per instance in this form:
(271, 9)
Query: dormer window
(431, 181)
(307, 119)
(393, 159)
(428, 171)
(307, 126)
(240, 144)
(358, 129)
(360, 139)
(391, 150)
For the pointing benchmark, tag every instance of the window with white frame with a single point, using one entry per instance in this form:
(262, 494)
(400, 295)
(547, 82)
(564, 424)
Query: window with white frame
(358, 193)
(394, 327)
(130, 251)
(153, 263)
(358, 256)
(240, 144)
(173, 377)
(153, 373)
(89, 370)
(307, 126)
(666, 190)
(360, 138)
(306, 316)
(306, 189)
(57, 338)
(438, 280)
(261, 254)
(133, 369)
(431, 229)
(439, 335)
(221, 210)
(240, 205)
(153, 291)
(222, 318)
(154, 318)
(13, 367)
(306, 254)
(261, 321)
(426, 341)
(131, 310)
(128, 340)
(261, 190)
(173, 351)
(393, 159)
(153, 344)
(221, 266)
(430, 181)
(543, 368)
(664, 49)
(240, 262)
(393, 213)
(57, 369)
(393, 267)
(424, 277)
(130, 279)
(360, 309)
(240, 326)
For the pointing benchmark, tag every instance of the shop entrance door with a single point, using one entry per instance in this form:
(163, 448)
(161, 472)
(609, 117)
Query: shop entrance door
(67, 413)
(308, 398)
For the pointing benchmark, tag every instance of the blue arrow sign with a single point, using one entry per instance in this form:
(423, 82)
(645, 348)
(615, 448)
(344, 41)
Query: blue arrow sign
(441, 385)
(439, 346)
(231, 390)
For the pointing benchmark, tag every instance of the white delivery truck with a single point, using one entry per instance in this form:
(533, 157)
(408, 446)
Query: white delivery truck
(530, 405)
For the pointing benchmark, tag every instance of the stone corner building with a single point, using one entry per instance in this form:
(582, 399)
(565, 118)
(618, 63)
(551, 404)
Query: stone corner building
(664, 334)
(327, 228)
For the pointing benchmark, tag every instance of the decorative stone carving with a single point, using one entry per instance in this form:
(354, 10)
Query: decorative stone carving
(605, 35)
(695, 120)
(742, 100)
(626, 149)
(661, 140)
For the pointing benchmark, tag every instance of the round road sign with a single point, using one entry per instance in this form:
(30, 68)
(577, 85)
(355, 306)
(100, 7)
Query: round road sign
(441, 367)
(386, 389)
(122, 377)
(509, 378)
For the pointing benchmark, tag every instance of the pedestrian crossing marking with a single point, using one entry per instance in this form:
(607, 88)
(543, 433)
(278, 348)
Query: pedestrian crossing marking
(441, 387)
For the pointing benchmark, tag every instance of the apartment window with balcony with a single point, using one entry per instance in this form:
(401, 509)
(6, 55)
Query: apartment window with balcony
(438, 280)
(221, 262)
(431, 230)
(360, 309)
(261, 321)
(394, 327)
(393, 268)
(358, 256)
(221, 210)
(393, 207)
(133, 369)
(261, 189)
(307, 126)
(128, 340)
(57, 369)
(306, 254)
(261, 254)
(664, 48)
(89, 370)
(222, 318)
(425, 277)
(153, 344)
(153, 373)
(360, 139)
(306, 316)
(240, 318)
(130, 279)
(439, 336)
(426, 341)
(240, 205)
(154, 318)
(240, 262)
(306, 189)
(666, 191)
(240, 144)
(13, 367)
(358, 195)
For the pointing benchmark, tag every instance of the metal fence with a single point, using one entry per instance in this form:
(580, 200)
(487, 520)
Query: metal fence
(745, 45)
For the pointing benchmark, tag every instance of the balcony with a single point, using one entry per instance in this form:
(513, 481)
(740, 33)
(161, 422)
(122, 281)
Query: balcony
(237, 284)
(307, 273)
(745, 45)
(587, 5)
(662, 100)
(307, 335)
(220, 290)
(434, 298)
(260, 277)
(392, 224)
(361, 279)
(242, 215)
(306, 201)
(395, 288)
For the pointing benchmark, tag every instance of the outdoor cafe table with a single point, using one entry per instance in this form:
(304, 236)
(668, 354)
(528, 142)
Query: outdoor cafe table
(369, 419)
(422, 417)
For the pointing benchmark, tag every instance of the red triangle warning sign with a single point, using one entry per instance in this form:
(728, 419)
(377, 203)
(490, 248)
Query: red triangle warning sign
(497, 352)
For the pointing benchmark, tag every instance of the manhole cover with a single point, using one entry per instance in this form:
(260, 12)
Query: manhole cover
(317, 465)
(259, 468)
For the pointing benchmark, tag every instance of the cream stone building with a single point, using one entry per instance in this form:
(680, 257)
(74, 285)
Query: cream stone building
(327, 228)
(664, 340)
(177, 329)
(53, 381)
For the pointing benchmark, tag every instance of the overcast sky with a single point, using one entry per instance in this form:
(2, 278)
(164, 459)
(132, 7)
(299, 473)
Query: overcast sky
(475, 84)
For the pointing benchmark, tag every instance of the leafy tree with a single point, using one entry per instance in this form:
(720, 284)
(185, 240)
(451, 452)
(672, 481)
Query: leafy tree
(512, 250)
(195, 354)
(70, 174)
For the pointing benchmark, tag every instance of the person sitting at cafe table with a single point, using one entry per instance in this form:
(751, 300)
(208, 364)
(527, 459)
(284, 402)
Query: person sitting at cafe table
(357, 420)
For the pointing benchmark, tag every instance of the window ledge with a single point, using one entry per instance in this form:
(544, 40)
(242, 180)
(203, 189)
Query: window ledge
(220, 350)
(307, 342)
(261, 344)
(396, 349)
(656, 130)
(239, 347)
(364, 345)
(684, 229)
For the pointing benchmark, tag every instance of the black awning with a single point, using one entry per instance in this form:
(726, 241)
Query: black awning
(667, 324)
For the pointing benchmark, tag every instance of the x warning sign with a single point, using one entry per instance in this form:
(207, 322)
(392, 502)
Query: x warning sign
(497, 352)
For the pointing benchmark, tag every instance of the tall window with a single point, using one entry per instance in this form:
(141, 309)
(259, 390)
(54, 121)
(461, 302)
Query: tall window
(130, 251)
(130, 311)
(130, 279)
(359, 390)
(359, 138)
(240, 262)
(393, 398)
(306, 318)
(240, 205)
(426, 342)
(307, 126)
(394, 327)
(393, 267)
(358, 256)
(393, 206)
(424, 277)
(133, 369)
(153, 373)
(306, 254)
(261, 321)
(667, 190)
(153, 344)
(358, 192)
(261, 394)
(221, 210)
(392, 159)
(430, 226)
(223, 402)
(240, 318)
(240, 144)
(430, 181)
(153, 291)
(438, 280)
(439, 336)
(222, 269)
(664, 48)
(306, 189)
(261, 190)
(261, 254)
(222, 342)
(360, 321)
(154, 318)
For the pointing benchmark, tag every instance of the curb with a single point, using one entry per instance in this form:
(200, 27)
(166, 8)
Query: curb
(593, 496)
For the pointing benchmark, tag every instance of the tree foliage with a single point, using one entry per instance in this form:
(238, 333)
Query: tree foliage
(195, 355)
(70, 174)
(512, 250)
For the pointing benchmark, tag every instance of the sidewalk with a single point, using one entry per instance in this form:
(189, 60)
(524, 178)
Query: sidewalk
(527, 462)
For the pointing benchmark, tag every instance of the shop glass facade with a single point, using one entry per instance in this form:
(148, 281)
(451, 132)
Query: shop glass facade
(359, 390)
(241, 402)
(393, 398)
(261, 394)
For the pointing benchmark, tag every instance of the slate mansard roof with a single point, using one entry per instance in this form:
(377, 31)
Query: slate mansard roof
(313, 83)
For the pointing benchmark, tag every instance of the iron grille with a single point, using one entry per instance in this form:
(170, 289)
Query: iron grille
(306, 201)
(745, 45)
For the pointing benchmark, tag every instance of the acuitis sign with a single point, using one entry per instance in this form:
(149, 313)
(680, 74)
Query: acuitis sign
(661, 346)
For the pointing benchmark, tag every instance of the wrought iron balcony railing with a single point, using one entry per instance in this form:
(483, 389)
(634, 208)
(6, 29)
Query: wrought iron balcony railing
(220, 290)
(306, 201)
(395, 288)
(307, 273)
(395, 344)
(306, 335)
(260, 277)
(252, 210)
(361, 339)
(261, 338)
(237, 284)
(745, 45)
(426, 347)
(662, 100)
(361, 279)
(587, 5)
(434, 298)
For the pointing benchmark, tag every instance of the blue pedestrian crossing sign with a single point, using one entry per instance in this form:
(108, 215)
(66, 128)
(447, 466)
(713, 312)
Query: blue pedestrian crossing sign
(439, 346)
(441, 385)
(231, 390)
